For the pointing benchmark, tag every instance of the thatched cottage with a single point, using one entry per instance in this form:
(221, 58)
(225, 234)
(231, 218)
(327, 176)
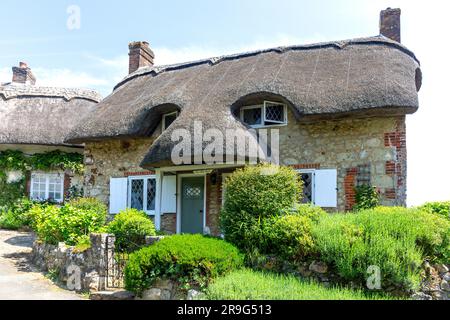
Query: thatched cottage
(339, 109)
(37, 120)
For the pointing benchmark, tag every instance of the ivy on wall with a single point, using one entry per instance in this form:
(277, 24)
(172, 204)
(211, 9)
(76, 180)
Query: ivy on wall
(13, 160)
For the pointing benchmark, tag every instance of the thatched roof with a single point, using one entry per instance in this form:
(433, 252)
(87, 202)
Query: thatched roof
(41, 115)
(348, 78)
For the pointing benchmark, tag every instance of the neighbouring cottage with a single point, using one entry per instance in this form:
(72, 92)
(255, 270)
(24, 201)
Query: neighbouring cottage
(36, 120)
(339, 109)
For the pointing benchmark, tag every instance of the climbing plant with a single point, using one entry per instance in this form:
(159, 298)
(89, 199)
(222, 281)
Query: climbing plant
(366, 197)
(13, 160)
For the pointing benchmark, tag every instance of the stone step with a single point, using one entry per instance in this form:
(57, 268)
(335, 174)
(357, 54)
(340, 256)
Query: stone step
(112, 295)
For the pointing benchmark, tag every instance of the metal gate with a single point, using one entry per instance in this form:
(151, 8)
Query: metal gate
(116, 259)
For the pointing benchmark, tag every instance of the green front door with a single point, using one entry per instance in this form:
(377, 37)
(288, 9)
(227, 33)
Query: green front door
(192, 202)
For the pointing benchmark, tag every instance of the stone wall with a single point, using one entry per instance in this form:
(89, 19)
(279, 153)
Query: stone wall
(61, 259)
(346, 145)
(377, 144)
(113, 158)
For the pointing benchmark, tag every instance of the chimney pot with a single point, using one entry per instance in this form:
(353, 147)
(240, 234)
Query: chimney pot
(140, 55)
(23, 74)
(390, 24)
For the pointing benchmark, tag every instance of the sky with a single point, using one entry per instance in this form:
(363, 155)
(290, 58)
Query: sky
(92, 51)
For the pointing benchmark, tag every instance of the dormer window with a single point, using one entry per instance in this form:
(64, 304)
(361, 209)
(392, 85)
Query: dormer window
(264, 115)
(168, 119)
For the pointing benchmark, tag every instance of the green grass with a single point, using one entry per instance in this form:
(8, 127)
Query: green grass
(250, 285)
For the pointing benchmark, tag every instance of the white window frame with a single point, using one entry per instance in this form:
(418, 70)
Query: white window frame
(47, 176)
(263, 115)
(145, 191)
(165, 116)
(313, 182)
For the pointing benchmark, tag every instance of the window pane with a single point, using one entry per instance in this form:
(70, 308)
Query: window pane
(137, 194)
(252, 116)
(38, 183)
(151, 193)
(307, 187)
(274, 113)
(169, 119)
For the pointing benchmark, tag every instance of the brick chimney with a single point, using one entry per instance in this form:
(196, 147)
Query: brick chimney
(23, 74)
(390, 24)
(140, 55)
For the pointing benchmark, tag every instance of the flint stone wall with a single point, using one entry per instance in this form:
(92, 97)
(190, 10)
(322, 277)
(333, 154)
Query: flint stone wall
(60, 258)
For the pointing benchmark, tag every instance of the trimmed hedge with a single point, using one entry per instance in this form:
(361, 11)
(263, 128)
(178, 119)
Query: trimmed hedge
(191, 260)
(395, 239)
(130, 227)
(253, 194)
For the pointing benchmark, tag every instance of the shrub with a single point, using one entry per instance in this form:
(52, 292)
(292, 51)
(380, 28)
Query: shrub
(440, 208)
(395, 239)
(192, 260)
(17, 215)
(312, 212)
(250, 285)
(67, 224)
(130, 227)
(289, 237)
(91, 204)
(366, 197)
(254, 194)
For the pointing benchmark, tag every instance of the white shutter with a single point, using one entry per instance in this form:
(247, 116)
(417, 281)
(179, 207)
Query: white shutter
(325, 188)
(168, 196)
(118, 194)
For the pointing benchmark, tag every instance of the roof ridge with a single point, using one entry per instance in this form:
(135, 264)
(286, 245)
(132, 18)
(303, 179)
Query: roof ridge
(11, 91)
(340, 44)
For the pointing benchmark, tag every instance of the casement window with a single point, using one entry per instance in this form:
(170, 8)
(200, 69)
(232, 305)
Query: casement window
(138, 192)
(168, 119)
(264, 115)
(47, 187)
(319, 187)
(142, 193)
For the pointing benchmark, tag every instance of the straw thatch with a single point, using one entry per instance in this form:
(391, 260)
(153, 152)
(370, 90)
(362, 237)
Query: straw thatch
(359, 77)
(41, 115)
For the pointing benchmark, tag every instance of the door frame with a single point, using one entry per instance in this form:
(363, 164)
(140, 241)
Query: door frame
(180, 193)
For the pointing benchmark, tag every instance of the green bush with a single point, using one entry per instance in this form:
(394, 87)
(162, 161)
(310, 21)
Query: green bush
(67, 224)
(192, 260)
(397, 240)
(289, 237)
(91, 204)
(312, 212)
(17, 215)
(366, 197)
(254, 194)
(440, 208)
(250, 285)
(130, 227)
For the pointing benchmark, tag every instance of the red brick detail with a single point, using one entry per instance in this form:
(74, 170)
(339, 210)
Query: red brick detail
(306, 166)
(142, 173)
(213, 204)
(390, 167)
(349, 188)
(397, 168)
(169, 223)
(390, 194)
